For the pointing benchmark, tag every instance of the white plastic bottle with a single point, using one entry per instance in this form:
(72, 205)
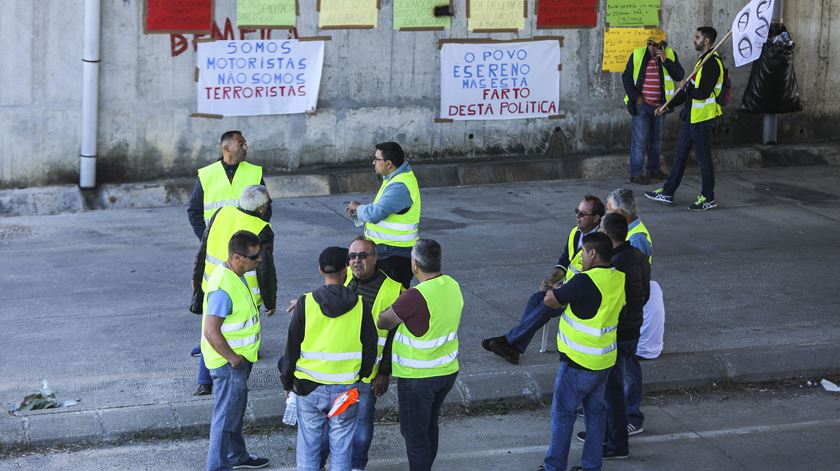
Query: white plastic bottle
(290, 415)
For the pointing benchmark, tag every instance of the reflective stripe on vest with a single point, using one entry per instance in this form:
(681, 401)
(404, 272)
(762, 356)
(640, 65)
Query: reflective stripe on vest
(331, 351)
(667, 82)
(706, 109)
(398, 230)
(388, 292)
(241, 328)
(591, 343)
(575, 257)
(435, 353)
(219, 191)
(227, 222)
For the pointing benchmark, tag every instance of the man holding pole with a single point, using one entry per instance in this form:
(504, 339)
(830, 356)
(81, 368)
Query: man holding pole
(700, 94)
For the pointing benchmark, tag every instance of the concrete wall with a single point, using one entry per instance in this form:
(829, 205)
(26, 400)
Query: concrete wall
(377, 85)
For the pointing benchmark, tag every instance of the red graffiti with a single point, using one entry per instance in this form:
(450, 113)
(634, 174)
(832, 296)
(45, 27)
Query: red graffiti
(178, 43)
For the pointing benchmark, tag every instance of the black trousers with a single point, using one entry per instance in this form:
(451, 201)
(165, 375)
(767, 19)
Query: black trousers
(398, 268)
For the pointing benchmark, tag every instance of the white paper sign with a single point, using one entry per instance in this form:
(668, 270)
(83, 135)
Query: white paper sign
(258, 77)
(499, 80)
(750, 29)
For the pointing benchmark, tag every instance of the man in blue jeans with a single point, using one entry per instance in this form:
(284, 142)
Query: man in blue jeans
(649, 81)
(332, 343)
(229, 344)
(509, 346)
(586, 339)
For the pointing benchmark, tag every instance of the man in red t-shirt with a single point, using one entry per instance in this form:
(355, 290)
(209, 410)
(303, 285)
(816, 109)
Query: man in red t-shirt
(649, 80)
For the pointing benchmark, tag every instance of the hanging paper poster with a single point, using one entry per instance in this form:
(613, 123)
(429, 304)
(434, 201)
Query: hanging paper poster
(258, 77)
(749, 31)
(496, 15)
(343, 14)
(632, 13)
(566, 13)
(620, 42)
(178, 16)
(510, 80)
(419, 15)
(266, 13)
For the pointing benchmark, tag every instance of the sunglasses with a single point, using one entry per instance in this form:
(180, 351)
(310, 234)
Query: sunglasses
(359, 255)
(253, 258)
(582, 214)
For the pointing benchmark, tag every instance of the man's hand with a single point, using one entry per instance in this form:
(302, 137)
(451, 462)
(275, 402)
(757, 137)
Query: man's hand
(193, 285)
(660, 53)
(351, 208)
(661, 110)
(640, 100)
(292, 305)
(380, 384)
(551, 301)
(546, 285)
(237, 361)
(269, 312)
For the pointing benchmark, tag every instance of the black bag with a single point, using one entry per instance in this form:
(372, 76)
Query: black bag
(772, 86)
(197, 301)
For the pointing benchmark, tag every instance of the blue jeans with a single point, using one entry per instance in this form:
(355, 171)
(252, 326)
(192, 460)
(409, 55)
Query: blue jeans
(645, 135)
(572, 387)
(313, 422)
(698, 136)
(203, 372)
(616, 437)
(633, 391)
(535, 315)
(420, 400)
(230, 390)
(363, 432)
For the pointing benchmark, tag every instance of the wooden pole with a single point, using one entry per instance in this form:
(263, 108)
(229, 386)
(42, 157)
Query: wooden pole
(699, 66)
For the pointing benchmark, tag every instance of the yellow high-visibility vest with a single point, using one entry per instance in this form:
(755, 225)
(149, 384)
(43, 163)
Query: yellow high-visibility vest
(241, 328)
(331, 351)
(219, 191)
(398, 230)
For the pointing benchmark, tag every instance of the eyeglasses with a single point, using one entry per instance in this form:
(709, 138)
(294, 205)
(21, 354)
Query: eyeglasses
(253, 258)
(359, 255)
(582, 214)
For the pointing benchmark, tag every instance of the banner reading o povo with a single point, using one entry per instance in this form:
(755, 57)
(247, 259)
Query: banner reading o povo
(258, 77)
(499, 80)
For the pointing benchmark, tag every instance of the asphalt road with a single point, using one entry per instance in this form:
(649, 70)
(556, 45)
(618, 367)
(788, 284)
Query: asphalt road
(751, 428)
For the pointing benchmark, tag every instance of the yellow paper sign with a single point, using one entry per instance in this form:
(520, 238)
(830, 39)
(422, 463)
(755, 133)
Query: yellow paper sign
(419, 14)
(348, 13)
(496, 14)
(266, 13)
(620, 42)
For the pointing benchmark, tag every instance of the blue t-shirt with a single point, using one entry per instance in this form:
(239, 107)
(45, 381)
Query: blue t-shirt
(219, 303)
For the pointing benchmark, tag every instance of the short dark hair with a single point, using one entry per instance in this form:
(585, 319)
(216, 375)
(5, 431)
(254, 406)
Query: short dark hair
(363, 238)
(597, 205)
(229, 135)
(708, 32)
(427, 254)
(601, 243)
(615, 226)
(391, 151)
(241, 241)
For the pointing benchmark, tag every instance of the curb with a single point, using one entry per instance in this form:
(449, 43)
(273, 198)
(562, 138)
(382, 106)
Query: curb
(360, 179)
(525, 386)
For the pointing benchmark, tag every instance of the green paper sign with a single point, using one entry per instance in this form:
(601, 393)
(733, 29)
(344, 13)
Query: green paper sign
(419, 14)
(633, 12)
(268, 13)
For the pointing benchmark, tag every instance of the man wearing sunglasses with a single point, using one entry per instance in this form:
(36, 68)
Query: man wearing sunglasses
(649, 81)
(253, 205)
(392, 221)
(229, 344)
(536, 314)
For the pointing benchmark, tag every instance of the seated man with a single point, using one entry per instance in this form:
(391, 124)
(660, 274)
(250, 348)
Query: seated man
(536, 314)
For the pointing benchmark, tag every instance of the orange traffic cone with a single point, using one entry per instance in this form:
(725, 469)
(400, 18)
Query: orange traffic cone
(344, 401)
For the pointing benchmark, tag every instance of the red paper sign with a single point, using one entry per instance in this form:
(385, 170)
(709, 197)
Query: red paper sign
(567, 13)
(179, 16)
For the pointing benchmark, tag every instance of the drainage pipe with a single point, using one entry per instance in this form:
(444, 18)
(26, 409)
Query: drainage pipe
(90, 94)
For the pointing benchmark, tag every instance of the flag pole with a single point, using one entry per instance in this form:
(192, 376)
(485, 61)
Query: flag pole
(699, 66)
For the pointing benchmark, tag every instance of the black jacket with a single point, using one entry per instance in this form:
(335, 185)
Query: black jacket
(636, 269)
(633, 89)
(335, 301)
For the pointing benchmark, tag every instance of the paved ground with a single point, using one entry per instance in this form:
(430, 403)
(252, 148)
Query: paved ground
(747, 429)
(95, 302)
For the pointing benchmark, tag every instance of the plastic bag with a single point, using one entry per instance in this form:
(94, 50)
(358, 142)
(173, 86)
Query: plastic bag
(772, 86)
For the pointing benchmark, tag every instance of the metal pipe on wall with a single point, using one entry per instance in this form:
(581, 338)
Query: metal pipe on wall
(90, 94)
(770, 128)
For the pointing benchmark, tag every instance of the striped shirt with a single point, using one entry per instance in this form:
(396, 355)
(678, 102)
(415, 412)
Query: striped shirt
(651, 88)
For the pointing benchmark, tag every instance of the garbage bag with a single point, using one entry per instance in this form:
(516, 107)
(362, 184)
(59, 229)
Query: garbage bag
(772, 86)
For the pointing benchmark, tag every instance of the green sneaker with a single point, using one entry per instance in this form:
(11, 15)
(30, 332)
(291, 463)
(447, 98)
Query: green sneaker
(702, 204)
(660, 196)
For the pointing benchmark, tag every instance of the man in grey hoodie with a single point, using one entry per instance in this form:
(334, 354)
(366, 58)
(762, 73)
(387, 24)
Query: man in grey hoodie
(332, 343)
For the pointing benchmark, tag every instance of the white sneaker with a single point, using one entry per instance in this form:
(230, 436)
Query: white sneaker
(632, 430)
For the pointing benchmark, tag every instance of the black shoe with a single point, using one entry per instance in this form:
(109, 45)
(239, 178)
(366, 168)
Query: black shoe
(640, 180)
(657, 175)
(252, 463)
(612, 455)
(581, 436)
(579, 412)
(501, 347)
(204, 390)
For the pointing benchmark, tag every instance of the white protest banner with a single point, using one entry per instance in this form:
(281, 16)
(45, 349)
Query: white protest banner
(510, 80)
(258, 77)
(750, 29)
